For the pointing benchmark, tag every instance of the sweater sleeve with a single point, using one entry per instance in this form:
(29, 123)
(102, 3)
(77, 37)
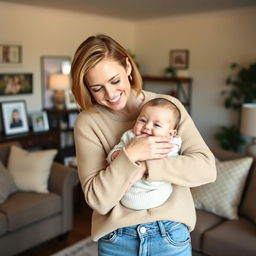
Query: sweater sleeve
(194, 166)
(103, 186)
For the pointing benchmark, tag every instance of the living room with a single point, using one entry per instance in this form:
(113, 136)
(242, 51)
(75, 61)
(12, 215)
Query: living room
(215, 39)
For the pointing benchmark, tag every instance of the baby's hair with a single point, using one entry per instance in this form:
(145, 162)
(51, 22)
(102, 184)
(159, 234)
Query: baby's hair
(162, 102)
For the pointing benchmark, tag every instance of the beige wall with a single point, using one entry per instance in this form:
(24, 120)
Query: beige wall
(43, 31)
(214, 40)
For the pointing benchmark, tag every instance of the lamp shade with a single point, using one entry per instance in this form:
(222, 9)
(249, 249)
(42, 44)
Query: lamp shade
(248, 121)
(59, 82)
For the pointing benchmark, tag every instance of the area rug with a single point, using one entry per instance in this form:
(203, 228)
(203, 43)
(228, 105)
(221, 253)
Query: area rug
(85, 247)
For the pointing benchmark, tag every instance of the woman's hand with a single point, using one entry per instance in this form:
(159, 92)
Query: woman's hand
(148, 147)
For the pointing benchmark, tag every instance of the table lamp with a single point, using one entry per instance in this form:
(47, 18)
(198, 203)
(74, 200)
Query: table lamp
(248, 125)
(59, 83)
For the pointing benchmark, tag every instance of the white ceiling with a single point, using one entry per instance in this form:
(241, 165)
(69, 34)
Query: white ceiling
(138, 9)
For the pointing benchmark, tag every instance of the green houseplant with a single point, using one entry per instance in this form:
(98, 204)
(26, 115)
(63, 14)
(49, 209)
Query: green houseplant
(170, 71)
(242, 89)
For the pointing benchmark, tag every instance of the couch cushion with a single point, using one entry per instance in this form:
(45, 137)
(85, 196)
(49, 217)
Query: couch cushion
(3, 224)
(7, 185)
(236, 238)
(24, 208)
(31, 170)
(223, 196)
(248, 208)
(205, 221)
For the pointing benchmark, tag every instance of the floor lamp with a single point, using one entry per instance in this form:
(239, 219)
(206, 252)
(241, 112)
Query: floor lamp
(248, 126)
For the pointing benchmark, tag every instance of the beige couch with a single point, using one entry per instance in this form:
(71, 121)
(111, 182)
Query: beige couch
(217, 236)
(28, 218)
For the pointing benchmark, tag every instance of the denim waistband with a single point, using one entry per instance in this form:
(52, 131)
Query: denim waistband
(150, 228)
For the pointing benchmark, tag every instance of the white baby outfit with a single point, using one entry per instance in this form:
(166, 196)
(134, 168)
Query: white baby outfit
(146, 194)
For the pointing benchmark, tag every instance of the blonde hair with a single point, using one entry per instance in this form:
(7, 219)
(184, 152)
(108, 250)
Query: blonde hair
(162, 102)
(89, 53)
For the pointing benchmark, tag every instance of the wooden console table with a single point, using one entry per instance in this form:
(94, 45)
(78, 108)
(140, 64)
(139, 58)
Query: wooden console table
(48, 139)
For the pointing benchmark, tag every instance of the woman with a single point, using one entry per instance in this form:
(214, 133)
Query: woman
(108, 87)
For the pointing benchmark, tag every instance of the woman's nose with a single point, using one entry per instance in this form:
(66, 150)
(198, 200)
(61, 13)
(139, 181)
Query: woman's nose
(109, 91)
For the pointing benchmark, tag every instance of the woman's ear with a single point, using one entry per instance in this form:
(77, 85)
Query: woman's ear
(128, 67)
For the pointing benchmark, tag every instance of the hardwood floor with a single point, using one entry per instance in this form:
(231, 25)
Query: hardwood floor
(82, 228)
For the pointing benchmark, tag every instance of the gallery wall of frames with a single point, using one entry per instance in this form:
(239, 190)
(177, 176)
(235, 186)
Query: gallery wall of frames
(16, 121)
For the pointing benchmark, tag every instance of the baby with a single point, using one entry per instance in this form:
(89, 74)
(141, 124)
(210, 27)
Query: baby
(158, 117)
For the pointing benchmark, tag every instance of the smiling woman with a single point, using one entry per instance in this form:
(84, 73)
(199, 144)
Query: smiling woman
(108, 87)
(109, 84)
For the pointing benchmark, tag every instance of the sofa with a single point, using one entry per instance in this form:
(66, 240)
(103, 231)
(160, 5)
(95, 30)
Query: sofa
(216, 235)
(29, 218)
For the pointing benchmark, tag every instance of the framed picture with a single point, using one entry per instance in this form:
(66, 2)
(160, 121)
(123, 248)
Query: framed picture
(10, 53)
(71, 119)
(70, 100)
(179, 59)
(52, 65)
(14, 115)
(13, 84)
(39, 121)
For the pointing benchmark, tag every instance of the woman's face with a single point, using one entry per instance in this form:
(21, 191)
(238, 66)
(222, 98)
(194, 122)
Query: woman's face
(109, 84)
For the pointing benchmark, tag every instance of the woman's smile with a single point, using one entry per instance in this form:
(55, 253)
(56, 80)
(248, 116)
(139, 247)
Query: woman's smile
(116, 99)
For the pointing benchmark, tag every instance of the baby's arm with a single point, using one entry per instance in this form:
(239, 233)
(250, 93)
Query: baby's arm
(124, 141)
(126, 138)
(115, 155)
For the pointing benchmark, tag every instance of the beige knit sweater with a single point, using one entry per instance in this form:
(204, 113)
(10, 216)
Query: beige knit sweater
(96, 133)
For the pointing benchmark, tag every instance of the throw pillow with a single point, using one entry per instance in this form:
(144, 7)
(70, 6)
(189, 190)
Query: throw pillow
(31, 170)
(7, 185)
(223, 196)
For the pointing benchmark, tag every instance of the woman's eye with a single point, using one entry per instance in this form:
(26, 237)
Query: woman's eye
(143, 120)
(96, 89)
(116, 81)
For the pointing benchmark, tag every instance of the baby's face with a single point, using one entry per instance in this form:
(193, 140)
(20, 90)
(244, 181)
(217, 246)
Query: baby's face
(155, 121)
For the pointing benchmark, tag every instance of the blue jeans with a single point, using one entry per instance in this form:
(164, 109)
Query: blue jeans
(159, 238)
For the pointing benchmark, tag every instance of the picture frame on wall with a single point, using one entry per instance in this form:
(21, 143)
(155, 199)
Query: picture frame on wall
(10, 53)
(16, 83)
(51, 65)
(179, 59)
(14, 117)
(39, 121)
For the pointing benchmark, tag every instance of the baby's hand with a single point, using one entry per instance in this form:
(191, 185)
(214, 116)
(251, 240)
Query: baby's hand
(115, 155)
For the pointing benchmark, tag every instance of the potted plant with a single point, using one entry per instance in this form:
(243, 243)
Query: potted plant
(242, 89)
(169, 71)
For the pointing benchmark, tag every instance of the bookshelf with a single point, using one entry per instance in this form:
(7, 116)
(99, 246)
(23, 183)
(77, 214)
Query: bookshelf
(179, 87)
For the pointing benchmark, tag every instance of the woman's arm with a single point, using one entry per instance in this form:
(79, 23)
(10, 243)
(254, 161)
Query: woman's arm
(103, 186)
(194, 166)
